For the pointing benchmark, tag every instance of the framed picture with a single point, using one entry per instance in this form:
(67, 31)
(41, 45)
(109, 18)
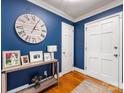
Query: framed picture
(36, 56)
(25, 60)
(11, 58)
(47, 57)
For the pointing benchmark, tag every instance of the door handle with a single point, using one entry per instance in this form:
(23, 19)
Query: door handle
(116, 55)
(63, 52)
(115, 47)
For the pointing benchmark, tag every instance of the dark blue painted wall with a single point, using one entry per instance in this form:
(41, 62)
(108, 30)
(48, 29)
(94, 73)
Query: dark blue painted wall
(11, 9)
(79, 35)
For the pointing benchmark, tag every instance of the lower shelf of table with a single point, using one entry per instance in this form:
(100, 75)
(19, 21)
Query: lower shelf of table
(45, 84)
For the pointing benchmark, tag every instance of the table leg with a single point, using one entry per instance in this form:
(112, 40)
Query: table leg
(4, 82)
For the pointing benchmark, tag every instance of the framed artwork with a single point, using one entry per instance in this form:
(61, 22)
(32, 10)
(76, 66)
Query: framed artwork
(47, 57)
(11, 58)
(36, 56)
(25, 60)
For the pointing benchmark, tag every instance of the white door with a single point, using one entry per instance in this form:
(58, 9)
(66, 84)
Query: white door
(102, 50)
(67, 47)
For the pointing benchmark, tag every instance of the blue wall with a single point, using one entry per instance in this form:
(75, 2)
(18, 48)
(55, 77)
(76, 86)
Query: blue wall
(79, 35)
(11, 9)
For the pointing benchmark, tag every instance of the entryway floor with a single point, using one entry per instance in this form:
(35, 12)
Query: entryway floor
(71, 80)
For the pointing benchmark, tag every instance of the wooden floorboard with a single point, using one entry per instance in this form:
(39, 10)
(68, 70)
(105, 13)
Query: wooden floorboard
(71, 80)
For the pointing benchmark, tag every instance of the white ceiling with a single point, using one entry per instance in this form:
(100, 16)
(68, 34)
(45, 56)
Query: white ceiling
(74, 9)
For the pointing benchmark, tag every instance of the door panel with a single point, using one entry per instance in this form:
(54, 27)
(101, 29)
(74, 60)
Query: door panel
(67, 47)
(102, 42)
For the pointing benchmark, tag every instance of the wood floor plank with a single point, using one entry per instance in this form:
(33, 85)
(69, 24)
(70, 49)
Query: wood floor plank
(71, 80)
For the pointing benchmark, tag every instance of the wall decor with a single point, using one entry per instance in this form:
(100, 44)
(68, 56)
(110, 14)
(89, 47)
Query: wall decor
(11, 58)
(52, 49)
(36, 56)
(30, 28)
(47, 57)
(25, 60)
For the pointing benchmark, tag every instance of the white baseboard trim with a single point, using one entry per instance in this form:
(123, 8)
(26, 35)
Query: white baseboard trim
(60, 74)
(79, 70)
(19, 88)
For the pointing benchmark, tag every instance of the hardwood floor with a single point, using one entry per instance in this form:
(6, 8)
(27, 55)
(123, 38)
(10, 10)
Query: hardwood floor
(69, 81)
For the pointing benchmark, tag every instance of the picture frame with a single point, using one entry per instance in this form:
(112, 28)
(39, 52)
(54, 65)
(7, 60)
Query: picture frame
(47, 57)
(36, 56)
(11, 58)
(25, 60)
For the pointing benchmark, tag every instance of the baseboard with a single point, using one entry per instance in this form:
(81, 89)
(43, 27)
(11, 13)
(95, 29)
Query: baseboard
(79, 70)
(19, 88)
(60, 74)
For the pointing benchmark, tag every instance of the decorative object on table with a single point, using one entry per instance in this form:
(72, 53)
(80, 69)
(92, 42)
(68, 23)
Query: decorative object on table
(11, 58)
(36, 56)
(36, 80)
(25, 60)
(30, 28)
(52, 49)
(47, 57)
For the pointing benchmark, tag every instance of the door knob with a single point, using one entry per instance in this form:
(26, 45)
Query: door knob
(115, 47)
(116, 55)
(63, 52)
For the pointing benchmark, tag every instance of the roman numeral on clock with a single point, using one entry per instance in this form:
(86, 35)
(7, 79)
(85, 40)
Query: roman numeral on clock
(19, 27)
(43, 31)
(26, 16)
(28, 38)
(33, 17)
(41, 25)
(22, 33)
(42, 35)
(33, 40)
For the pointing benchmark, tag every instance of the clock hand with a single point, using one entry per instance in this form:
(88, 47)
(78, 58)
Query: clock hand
(35, 26)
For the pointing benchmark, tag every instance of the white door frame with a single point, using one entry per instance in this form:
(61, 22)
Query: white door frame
(62, 73)
(120, 45)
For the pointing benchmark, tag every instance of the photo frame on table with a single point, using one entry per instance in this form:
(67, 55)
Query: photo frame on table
(47, 57)
(11, 58)
(36, 56)
(25, 60)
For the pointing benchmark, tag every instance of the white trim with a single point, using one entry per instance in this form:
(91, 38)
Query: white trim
(86, 15)
(60, 74)
(99, 10)
(120, 53)
(51, 8)
(120, 62)
(79, 70)
(18, 89)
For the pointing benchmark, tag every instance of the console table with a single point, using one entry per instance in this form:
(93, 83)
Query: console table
(45, 84)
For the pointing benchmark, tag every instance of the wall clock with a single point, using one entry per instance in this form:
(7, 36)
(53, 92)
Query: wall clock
(30, 28)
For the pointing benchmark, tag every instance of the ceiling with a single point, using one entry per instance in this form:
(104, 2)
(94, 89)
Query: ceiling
(73, 9)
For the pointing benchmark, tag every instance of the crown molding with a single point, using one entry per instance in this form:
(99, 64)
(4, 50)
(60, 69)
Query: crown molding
(64, 15)
(99, 10)
(51, 8)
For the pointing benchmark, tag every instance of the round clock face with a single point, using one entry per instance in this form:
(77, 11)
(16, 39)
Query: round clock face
(30, 28)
